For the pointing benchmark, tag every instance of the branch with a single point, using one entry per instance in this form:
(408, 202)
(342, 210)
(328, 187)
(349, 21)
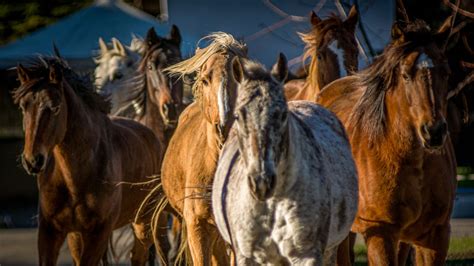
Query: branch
(459, 10)
(461, 85)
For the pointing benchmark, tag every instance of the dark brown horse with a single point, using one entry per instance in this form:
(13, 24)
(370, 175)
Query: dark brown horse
(332, 47)
(155, 98)
(87, 164)
(395, 115)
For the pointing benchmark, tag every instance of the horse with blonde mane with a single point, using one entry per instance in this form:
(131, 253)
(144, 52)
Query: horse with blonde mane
(332, 47)
(285, 189)
(91, 169)
(395, 116)
(191, 158)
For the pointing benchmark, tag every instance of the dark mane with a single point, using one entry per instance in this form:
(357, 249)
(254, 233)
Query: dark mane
(39, 69)
(368, 114)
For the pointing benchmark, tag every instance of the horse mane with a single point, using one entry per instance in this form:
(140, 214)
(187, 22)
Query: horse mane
(368, 113)
(315, 38)
(220, 42)
(82, 85)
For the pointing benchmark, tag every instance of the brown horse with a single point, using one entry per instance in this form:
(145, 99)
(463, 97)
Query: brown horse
(394, 113)
(191, 158)
(80, 157)
(156, 99)
(332, 46)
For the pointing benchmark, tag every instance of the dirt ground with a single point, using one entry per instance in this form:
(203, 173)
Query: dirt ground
(18, 246)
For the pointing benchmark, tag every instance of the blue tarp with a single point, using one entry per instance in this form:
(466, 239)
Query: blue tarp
(268, 27)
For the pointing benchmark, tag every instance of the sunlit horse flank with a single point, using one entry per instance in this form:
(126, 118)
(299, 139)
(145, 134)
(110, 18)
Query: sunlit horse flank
(285, 190)
(332, 47)
(191, 158)
(88, 165)
(394, 113)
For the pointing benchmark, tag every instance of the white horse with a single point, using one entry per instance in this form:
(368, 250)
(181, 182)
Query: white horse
(116, 64)
(285, 190)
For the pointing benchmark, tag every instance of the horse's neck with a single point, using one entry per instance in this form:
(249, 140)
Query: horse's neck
(152, 118)
(84, 132)
(312, 87)
(400, 141)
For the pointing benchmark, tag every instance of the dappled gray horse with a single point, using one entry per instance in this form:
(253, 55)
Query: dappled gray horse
(285, 190)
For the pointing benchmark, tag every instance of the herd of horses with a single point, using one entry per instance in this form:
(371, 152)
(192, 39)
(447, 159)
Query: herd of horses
(255, 166)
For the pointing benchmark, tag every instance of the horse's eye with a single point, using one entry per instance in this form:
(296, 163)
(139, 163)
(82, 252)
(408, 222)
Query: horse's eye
(129, 63)
(319, 56)
(205, 82)
(150, 67)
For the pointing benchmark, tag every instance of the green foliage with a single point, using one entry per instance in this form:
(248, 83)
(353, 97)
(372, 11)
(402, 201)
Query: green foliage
(24, 16)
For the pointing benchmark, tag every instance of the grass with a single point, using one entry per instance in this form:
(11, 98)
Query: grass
(461, 251)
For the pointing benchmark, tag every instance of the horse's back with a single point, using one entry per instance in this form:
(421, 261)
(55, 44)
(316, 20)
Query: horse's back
(337, 164)
(340, 96)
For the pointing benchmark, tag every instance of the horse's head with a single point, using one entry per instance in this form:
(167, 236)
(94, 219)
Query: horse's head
(423, 74)
(261, 119)
(115, 63)
(164, 91)
(215, 87)
(41, 97)
(332, 45)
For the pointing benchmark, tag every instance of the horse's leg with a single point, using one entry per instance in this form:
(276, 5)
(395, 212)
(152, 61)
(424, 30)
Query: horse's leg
(199, 240)
(174, 236)
(331, 256)
(433, 248)
(343, 253)
(381, 248)
(352, 241)
(403, 252)
(141, 245)
(219, 248)
(50, 241)
(95, 244)
(74, 242)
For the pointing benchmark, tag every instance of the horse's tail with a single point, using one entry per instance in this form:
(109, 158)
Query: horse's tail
(183, 256)
(156, 194)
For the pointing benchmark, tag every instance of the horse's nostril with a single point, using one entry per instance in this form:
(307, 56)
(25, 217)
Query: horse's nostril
(39, 160)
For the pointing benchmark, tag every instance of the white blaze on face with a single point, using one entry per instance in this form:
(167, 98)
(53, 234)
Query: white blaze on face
(339, 52)
(425, 62)
(222, 102)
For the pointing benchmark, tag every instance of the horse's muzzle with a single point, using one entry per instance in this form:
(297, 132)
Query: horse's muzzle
(34, 165)
(435, 135)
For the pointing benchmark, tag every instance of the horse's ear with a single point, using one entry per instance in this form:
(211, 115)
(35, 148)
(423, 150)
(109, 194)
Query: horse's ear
(118, 47)
(151, 37)
(351, 21)
(314, 18)
(175, 35)
(103, 46)
(56, 50)
(444, 32)
(55, 74)
(397, 32)
(280, 69)
(237, 70)
(23, 74)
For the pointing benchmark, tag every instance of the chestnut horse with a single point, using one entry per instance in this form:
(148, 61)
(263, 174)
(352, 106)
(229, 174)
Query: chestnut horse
(394, 113)
(332, 46)
(87, 164)
(285, 189)
(191, 158)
